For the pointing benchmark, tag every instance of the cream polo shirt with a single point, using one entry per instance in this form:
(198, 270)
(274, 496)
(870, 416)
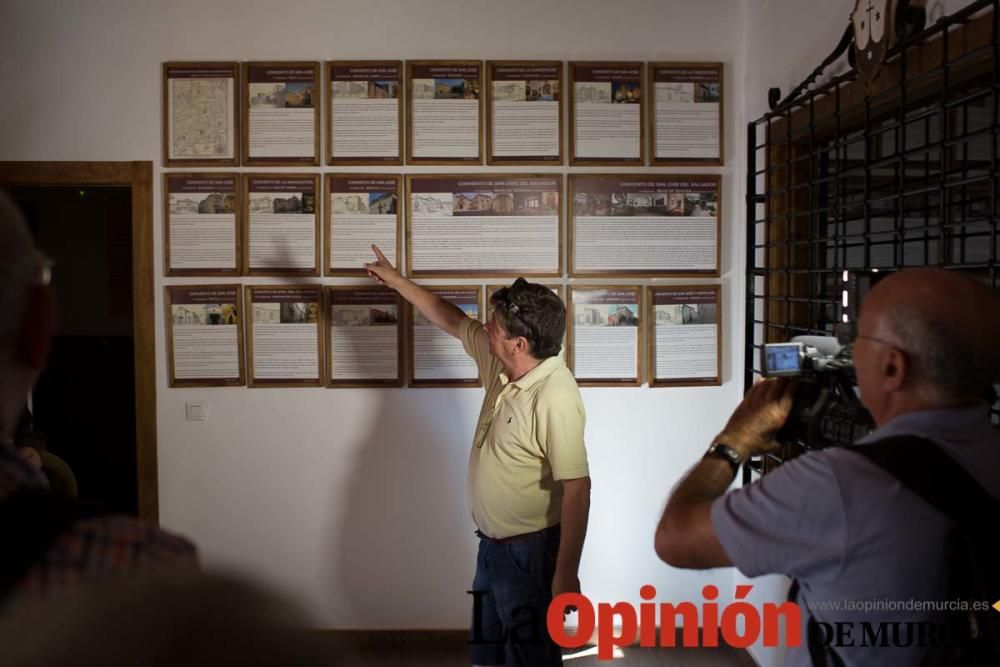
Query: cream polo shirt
(528, 437)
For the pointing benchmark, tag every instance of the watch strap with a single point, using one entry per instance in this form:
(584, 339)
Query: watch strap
(723, 451)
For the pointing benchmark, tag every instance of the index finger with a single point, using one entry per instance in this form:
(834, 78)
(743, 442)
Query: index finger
(378, 253)
(787, 390)
(778, 388)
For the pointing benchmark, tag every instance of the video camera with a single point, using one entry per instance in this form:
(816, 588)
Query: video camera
(826, 410)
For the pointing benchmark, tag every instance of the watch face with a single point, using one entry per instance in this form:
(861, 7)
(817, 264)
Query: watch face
(726, 452)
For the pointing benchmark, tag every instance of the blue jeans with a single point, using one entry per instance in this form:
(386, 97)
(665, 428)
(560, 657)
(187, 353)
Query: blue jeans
(511, 593)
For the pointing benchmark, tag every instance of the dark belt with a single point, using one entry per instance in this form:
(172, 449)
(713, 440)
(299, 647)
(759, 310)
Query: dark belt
(551, 531)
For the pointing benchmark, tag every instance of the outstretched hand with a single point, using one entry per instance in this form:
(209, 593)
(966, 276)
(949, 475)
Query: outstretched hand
(381, 269)
(565, 583)
(764, 409)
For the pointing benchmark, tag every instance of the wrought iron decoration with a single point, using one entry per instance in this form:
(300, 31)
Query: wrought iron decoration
(866, 40)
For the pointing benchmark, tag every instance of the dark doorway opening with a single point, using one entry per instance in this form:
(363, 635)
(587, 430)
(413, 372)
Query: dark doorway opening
(84, 403)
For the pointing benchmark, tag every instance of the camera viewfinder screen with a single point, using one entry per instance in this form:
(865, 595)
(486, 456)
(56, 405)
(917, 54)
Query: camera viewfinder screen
(783, 359)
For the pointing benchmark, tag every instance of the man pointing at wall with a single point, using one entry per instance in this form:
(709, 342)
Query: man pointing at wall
(529, 484)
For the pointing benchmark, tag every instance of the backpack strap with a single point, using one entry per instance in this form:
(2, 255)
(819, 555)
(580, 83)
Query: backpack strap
(30, 522)
(925, 469)
(821, 655)
(928, 471)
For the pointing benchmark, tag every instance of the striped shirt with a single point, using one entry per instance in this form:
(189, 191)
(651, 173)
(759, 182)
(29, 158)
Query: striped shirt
(92, 550)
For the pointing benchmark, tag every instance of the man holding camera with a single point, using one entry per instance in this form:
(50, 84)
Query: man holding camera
(856, 540)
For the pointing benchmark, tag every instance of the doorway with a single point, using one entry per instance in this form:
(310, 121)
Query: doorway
(95, 403)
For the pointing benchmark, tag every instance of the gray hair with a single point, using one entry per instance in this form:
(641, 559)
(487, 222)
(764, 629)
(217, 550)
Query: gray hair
(955, 363)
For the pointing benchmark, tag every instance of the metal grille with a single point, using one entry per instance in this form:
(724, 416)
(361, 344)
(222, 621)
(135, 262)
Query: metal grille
(844, 179)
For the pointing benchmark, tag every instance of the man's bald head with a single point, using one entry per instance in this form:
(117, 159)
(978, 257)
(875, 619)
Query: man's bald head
(946, 323)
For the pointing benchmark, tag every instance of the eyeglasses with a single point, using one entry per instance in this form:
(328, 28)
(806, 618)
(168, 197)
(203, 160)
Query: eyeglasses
(509, 305)
(46, 264)
(847, 334)
(40, 265)
(879, 340)
(507, 301)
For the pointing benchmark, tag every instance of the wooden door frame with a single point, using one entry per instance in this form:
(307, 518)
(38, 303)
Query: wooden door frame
(138, 177)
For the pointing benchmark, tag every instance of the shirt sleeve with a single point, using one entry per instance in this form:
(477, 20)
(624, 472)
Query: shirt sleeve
(791, 521)
(559, 424)
(476, 342)
(101, 549)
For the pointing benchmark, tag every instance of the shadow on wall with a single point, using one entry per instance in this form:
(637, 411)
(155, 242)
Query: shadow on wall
(406, 543)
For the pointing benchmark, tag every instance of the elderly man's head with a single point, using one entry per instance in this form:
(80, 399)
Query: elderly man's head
(927, 338)
(27, 314)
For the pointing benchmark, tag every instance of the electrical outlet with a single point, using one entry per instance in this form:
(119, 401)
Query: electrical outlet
(196, 411)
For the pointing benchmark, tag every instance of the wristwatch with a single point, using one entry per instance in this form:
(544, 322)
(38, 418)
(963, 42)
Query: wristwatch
(726, 453)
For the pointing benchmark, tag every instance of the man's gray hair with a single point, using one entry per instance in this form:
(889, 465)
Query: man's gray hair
(951, 360)
(18, 262)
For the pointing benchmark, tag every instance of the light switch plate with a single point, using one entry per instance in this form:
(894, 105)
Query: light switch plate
(196, 411)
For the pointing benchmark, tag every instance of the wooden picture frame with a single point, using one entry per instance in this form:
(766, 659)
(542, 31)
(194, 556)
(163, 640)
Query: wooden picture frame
(535, 87)
(706, 80)
(210, 185)
(292, 292)
(205, 295)
(281, 183)
(542, 200)
(203, 124)
(380, 293)
(304, 76)
(362, 183)
(698, 295)
(469, 70)
(573, 324)
(698, 193)
(623, 79)
(372, 73)
(410, 316)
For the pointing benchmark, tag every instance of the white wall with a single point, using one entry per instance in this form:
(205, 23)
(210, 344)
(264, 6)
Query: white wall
(353, 501)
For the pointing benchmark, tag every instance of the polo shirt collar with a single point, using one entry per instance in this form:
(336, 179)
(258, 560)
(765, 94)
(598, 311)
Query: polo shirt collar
(535, 375)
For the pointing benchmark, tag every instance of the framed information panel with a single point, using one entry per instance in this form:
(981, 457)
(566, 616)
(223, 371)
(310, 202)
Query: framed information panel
(361, 209)
(437, 359)
(524, 112)
(685, 339)
(444, 112)
(644, 224)
(281, 233)
(204, 335)
(603, 335)
(366, 112)
(364, 337)
(607, 123)
(201, 218)
(687, 99)
(484, 224)
(285, 335)
(281, 114)
(201, 114)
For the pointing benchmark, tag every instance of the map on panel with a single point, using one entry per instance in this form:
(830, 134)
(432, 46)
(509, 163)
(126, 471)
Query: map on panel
(201, 118)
